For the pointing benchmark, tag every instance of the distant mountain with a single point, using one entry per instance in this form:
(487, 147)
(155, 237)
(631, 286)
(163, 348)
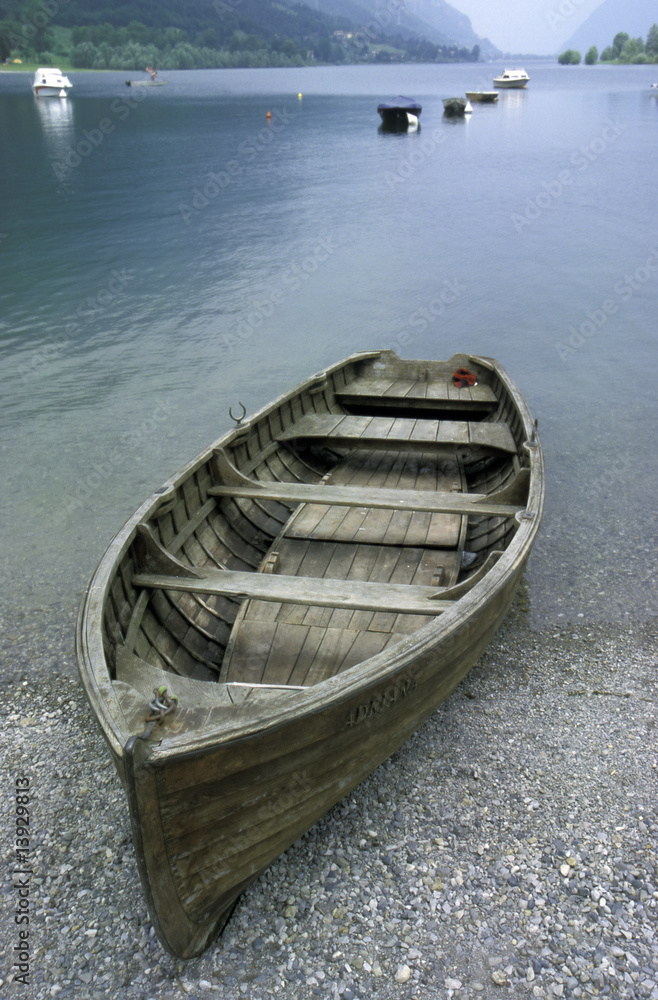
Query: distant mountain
(436, 20)
(635, 17)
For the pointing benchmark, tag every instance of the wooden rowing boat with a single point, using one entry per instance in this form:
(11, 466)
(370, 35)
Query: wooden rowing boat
(483, 96)
(307, 590)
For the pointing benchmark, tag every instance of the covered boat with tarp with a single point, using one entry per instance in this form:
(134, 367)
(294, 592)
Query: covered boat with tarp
(401, 112)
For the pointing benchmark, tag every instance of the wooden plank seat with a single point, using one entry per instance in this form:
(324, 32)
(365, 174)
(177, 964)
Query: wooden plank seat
(397, 433)
(357, 496)
(417, 394)
(328, 593)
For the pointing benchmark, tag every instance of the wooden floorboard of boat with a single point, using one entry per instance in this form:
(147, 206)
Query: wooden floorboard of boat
(365, 525)
(355, 544)
(410, 474)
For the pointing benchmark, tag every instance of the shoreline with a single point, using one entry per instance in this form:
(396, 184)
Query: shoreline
(510, 845)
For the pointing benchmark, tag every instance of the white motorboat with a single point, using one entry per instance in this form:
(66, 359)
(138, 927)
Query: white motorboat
(516, 78)
(50, 82)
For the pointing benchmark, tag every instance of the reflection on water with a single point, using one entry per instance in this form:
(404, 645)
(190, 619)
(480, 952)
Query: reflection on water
(54, 111)
(194, 259)
(56, 119)
(513, 98)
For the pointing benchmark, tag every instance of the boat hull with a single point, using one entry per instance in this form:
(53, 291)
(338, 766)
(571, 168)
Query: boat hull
(294, 774)
(246, 763)
(456, 107)
(51, 92)
(401, 114)
(482, 96)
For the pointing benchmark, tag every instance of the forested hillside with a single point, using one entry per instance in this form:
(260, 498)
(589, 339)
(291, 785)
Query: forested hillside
(187, 34)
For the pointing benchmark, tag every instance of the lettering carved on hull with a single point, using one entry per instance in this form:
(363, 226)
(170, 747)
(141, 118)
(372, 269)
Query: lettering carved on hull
(381, 701)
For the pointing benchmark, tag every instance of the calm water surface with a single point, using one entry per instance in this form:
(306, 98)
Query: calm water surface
(169, 252)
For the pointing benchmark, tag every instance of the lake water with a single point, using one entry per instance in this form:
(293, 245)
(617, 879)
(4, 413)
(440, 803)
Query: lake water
(170, 252)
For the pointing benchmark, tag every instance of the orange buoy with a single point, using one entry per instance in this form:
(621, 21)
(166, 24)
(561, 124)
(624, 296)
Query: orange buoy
(269, 114)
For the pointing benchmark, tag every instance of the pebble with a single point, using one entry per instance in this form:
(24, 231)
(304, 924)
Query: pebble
(402, 974)
(508, 849)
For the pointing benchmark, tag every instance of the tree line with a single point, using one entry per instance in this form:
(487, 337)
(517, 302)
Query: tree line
(204, 34)
(623, 49)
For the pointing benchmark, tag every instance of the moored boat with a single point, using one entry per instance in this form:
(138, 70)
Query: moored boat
(514, 79)
(482, 96)
(287, 609)
(456, 106)
(50, 82)
(400, 113)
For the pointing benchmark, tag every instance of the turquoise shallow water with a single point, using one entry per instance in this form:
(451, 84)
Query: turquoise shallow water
(167, 255)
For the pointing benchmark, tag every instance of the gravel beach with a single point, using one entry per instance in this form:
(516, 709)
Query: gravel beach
(507, 850)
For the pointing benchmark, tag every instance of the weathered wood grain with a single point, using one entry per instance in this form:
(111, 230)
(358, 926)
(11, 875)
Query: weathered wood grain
(326, 593)
(310, 587)
(354, 496)
(397, 433)
(414, 394)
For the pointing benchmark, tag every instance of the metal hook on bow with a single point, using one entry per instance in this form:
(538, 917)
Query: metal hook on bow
(238, 420)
